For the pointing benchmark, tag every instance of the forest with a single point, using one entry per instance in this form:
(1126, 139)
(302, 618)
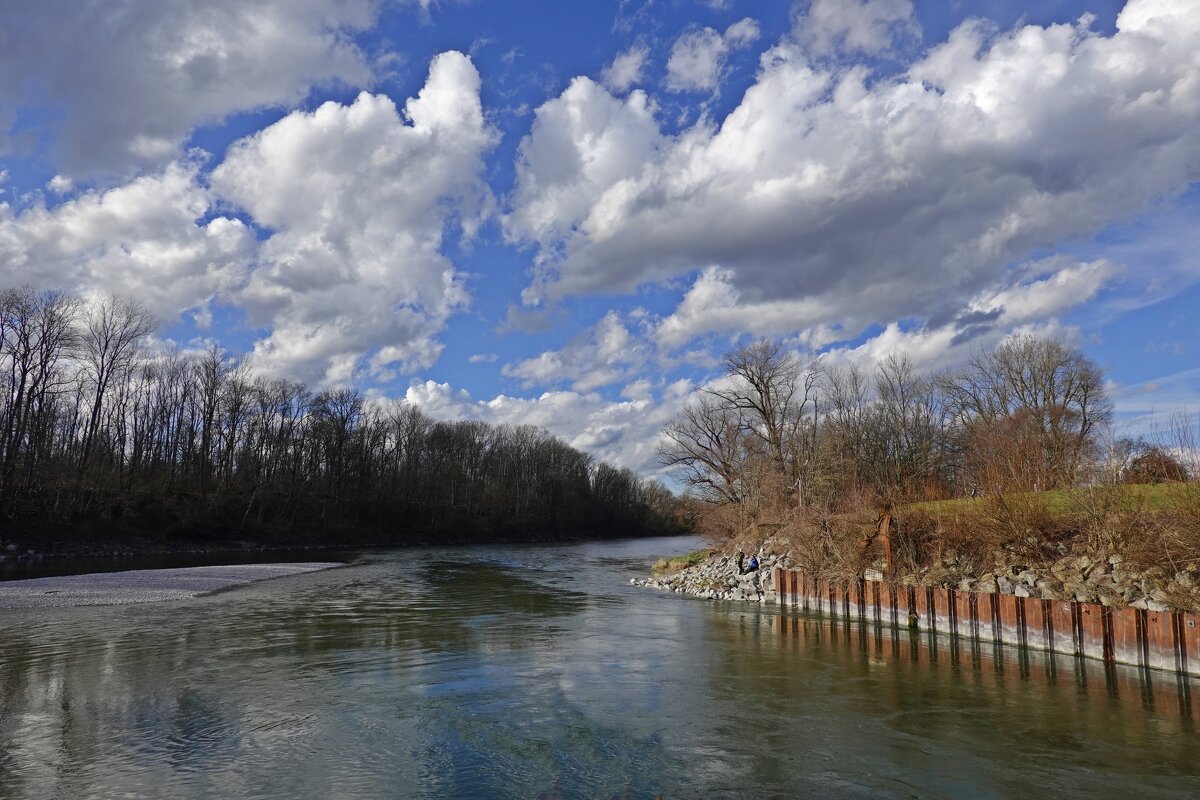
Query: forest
(106, 435)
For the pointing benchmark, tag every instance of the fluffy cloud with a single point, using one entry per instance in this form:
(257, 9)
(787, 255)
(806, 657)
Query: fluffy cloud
(855, 26)
(145, 239)
(1038, 290)
(698, 57)
(130, 80)
(602, 356)
(582, 144)
(626, 69)
(358, 201)
(623, 432)
(832, 199)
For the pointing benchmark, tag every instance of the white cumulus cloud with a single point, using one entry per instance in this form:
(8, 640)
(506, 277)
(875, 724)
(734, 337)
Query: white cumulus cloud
(623, 432)
(605, 354)
(358, 198)
(855, 26)
(130, 80)
(144, 239)
(829, 198)
(626, 69)
(698, 57)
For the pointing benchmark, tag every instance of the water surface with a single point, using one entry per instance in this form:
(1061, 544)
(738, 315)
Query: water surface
(524, 671)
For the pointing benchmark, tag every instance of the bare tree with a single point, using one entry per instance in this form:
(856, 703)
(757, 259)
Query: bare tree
(1029, 384)
(705, 442)
(113, 330)
(197, 439)
(775, 394)
(37, 333)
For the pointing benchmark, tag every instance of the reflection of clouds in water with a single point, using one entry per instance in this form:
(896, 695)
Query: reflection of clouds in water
(497, 671)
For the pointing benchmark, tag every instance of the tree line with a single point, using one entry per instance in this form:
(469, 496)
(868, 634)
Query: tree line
(780, 430)
(101, 430)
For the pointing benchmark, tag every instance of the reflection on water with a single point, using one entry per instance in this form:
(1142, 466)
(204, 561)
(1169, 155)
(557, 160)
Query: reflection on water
(526, 671)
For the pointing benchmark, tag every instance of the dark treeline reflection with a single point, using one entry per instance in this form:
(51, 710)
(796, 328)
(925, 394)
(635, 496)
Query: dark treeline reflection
(248, 698)
(98, 428)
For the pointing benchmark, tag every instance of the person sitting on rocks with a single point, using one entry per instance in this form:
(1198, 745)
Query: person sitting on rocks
(753, 567)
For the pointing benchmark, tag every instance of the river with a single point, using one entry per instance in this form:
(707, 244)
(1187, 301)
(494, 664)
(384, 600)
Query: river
(519, 671)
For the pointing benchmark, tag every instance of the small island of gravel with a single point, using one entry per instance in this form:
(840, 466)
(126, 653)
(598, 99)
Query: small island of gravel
(141, 586)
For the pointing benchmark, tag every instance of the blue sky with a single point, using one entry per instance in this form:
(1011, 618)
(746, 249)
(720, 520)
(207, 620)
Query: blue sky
(564, 213)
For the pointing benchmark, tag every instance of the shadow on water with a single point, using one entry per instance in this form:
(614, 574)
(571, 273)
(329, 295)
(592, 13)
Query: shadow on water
(489, 588)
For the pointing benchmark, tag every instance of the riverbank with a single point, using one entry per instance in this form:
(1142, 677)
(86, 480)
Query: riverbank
(27, 548)
(717, 578)
(16, 552)
(1105, 580)
(141, 586)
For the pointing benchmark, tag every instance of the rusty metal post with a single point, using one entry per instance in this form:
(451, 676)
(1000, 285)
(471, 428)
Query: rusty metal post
(885, 533)
(1189, 643)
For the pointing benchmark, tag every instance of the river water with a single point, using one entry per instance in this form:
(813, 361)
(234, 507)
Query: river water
(519, 672)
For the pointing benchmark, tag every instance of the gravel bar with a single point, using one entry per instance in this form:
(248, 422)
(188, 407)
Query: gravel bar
(140, 586)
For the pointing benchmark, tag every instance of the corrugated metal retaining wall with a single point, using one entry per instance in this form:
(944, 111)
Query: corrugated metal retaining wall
(1167, 640)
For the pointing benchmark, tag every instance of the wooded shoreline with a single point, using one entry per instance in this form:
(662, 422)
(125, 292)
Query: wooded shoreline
(107, 435)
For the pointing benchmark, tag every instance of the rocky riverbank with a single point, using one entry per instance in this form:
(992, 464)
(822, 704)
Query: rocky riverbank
(717, 579)
(1088, 578)
(1107, 580)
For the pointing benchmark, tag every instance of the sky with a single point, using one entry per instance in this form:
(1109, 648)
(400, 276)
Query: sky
(564, 214)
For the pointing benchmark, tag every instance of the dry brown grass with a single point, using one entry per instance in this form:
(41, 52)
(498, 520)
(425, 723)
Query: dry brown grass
(1151, 528)
(666, 566)
(825, 543)
(1158, 528)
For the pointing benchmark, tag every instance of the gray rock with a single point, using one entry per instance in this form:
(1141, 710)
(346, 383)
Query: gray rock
(1022, 590)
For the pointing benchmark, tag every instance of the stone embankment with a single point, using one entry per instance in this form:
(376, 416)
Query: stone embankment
(1104, 580)
(718, 579)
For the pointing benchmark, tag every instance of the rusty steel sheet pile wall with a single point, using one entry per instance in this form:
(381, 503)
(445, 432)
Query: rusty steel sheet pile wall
(1173, 699)
(1166, 640)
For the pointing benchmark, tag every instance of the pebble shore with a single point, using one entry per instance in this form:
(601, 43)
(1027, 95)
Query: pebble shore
(140, 586)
